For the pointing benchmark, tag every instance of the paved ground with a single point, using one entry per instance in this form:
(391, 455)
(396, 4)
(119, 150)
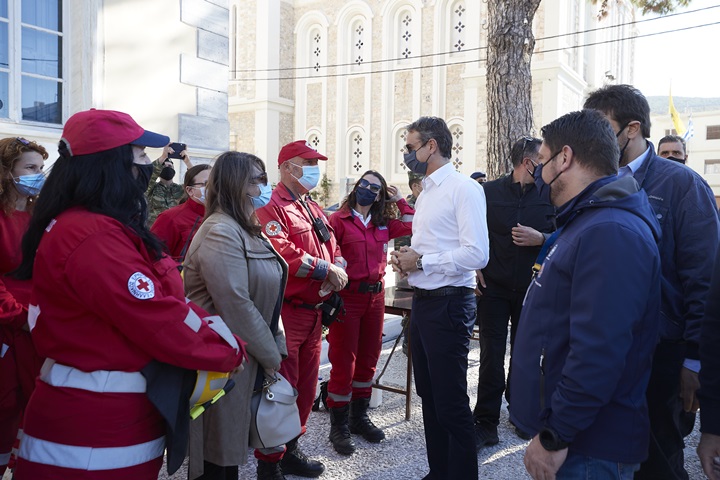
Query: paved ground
(402, 454)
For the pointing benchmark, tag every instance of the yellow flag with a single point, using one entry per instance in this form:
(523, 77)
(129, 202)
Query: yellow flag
(675, 115)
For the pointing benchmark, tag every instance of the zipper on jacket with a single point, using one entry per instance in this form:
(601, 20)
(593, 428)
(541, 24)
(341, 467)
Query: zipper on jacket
(542, 380)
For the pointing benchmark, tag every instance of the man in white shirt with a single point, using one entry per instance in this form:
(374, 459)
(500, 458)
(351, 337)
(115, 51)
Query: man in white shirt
(449, 243)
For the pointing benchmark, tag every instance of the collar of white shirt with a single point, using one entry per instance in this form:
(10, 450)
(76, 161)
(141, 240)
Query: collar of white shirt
(364, 220)
(439, 175)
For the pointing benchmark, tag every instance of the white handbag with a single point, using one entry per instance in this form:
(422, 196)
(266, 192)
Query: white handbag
(275, 418)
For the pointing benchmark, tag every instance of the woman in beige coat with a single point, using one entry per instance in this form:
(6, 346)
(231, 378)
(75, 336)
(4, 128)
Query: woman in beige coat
(233, 271)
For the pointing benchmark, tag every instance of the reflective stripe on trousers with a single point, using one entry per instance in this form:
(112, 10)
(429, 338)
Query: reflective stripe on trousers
(100, 381)
(89, 458)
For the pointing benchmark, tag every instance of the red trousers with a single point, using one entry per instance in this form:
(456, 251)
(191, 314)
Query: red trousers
(19, 367)
(354, 347)
(303, 336)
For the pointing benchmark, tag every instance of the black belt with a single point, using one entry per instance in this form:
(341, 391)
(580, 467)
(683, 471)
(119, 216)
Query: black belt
(444, 291)
(364, 287)
(298, 303)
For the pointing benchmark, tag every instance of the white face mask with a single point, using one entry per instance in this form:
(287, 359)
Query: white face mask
(201, 199)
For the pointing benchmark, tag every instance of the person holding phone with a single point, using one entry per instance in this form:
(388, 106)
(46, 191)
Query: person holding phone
(164, 193)
(364, 224)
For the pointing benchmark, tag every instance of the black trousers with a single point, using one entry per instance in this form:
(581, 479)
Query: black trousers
(217, 472)
(440, 329)
(666, 460)
(495, 308)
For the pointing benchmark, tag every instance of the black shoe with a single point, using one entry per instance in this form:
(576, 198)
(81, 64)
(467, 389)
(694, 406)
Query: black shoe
(485, 437)
(269, 471)
(361, 424)
(295, 462)
(340, 437)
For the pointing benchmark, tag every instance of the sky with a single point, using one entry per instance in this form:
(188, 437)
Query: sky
(690, 59)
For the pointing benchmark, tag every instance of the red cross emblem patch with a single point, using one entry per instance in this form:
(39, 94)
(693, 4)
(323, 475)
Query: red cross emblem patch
(140, 286)
(273, 229)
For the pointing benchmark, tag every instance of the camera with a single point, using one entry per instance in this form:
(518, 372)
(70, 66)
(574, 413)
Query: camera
(178, 148)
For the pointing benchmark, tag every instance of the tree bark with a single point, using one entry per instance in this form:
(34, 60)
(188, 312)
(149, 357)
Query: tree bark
(509, 81)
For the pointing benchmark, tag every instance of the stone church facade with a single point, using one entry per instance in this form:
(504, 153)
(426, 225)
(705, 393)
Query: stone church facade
(349, 75)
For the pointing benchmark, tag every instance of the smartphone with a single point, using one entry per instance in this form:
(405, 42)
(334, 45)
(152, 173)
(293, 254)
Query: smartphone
(178, 147)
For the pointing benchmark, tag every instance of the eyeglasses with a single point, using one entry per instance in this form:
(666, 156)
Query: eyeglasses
(409, 148)
(260, 179)
(23, 141)
(373, 187)
(530, 140)
(203, 184)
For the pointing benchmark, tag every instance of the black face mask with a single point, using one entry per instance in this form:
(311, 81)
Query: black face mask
(364, 197)
(622, 150)
(679, 160)
(167, 173)
(145, 171)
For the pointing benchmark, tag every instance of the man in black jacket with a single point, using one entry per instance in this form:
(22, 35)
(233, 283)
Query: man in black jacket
(709, 448)
(517, 218)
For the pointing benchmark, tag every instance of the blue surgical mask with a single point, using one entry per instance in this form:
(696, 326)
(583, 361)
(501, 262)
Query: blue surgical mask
(30, 185)
(264, 197)
(310, 176)
(413, 164)
(364, 197)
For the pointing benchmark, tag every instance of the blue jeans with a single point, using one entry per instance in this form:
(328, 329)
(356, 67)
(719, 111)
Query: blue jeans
(580, 467)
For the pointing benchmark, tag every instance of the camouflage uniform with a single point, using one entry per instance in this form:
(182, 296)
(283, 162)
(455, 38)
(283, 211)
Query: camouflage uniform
(161, 197)
(405, 241)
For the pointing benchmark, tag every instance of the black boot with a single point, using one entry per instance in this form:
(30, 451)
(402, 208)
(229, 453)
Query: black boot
(339, 432)
(360, 422)
(269, 471)
(294, 462)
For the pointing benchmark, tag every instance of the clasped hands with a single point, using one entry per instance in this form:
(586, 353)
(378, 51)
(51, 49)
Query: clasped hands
(404, 261)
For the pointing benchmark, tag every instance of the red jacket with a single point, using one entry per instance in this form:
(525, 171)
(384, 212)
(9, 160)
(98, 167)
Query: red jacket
(14, 294)
(287, 224)
(101, 303)
(366, 248)
(177, 225)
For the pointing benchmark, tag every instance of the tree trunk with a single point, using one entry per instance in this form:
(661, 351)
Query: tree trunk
(509, 82)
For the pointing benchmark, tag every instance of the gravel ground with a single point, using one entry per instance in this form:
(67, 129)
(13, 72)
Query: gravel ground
(402, 454)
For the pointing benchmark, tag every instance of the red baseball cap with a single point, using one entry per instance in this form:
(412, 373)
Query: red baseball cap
(95, 131)
(298, 148)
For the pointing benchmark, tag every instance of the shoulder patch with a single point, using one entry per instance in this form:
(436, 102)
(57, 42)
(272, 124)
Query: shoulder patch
(273, 228)
(140, 286)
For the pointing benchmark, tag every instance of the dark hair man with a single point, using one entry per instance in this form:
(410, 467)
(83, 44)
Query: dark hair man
(298, 230)
(164, 194)
(589, 323)
(479, 177)
(673, 147)
(517, 218)
(685, 207)
(450, 242)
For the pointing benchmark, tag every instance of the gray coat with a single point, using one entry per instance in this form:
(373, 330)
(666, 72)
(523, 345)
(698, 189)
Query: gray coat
(239, 277)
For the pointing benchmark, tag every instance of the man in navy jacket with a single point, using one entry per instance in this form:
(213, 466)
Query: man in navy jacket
(685, 207)
(583, 350)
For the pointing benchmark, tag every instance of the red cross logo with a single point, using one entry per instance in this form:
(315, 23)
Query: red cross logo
(143, 285)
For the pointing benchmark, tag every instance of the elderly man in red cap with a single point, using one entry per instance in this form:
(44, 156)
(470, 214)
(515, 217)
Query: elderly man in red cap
(300, 232)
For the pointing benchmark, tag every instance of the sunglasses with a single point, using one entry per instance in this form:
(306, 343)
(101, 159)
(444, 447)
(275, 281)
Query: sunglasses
(409, 148)
(23, 141)
(261, 179)
(373, 187)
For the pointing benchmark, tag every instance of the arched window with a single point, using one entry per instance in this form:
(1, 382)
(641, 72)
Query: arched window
(457, 36)
(456, 129)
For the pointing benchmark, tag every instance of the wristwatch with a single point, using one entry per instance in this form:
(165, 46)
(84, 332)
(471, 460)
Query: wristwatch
(418, 263)
(550, 440)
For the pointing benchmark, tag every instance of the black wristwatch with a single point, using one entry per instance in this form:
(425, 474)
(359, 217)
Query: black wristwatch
(550, 440)
(418, 263)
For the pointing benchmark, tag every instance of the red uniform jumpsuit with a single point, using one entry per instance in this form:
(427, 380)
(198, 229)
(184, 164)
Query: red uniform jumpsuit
(102, 309)
(288, 226)
(177, 226)
(355, 343)
(19, 362)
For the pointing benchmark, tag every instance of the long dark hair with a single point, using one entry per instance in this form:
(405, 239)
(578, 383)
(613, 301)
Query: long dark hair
(227, 189)
(103, 183)
(380, 211)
